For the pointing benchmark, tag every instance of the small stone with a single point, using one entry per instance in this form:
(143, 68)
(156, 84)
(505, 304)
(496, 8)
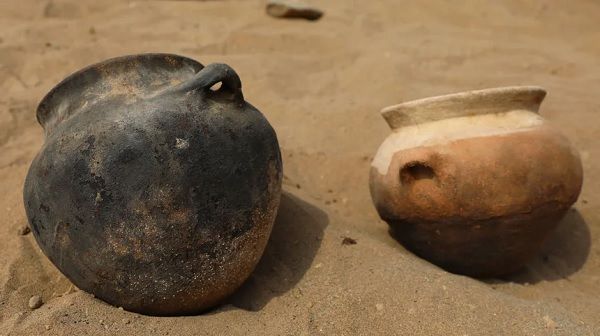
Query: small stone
(550, 324)
(290, 9)
(35, 302)
(349, 241)
(379, 306)
(126, 321)
(23, 230)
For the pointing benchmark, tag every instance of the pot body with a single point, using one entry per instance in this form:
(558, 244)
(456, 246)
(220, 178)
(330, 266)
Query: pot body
(152, 191)
(474, 182)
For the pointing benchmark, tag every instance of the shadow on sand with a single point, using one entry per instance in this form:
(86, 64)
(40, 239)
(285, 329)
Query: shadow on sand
(295, 239)
(563, 253)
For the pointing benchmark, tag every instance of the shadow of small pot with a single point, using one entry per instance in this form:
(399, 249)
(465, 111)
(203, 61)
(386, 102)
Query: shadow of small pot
(562, 255)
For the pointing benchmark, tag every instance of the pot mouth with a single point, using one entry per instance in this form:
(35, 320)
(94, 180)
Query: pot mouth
(130, 76)
(463, 104)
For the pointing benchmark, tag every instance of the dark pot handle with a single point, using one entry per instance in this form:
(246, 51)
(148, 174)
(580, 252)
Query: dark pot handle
(213, 74)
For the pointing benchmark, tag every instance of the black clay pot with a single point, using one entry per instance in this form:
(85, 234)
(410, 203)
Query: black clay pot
(152, 191)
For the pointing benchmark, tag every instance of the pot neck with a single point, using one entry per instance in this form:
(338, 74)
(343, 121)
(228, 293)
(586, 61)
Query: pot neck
(118, 80)
(470, 103)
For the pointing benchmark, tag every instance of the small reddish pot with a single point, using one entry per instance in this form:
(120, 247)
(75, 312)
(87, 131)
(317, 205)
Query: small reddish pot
(474, 182)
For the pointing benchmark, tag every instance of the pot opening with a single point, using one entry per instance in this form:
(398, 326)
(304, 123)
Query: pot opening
(116, 79)
(470, 103)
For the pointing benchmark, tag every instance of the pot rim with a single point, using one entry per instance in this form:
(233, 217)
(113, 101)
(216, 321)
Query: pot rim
(467, 103)
(76, 79)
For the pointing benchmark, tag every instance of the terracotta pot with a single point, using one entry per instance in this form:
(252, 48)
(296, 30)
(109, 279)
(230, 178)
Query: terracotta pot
(152, 191)
(474, 182)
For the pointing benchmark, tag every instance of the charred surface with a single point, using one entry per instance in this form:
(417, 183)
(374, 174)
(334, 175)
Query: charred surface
(152, 191)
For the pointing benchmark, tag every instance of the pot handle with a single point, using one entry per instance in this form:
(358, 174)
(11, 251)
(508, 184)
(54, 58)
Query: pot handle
(213, 74)
(416, 170)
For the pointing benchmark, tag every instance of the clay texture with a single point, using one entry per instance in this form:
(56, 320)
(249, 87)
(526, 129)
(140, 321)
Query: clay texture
(152, 191)
(474, 182)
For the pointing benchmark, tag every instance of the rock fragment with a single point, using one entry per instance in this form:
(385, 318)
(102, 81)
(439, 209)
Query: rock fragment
(348, 241)
(23, 230)
(292, 10)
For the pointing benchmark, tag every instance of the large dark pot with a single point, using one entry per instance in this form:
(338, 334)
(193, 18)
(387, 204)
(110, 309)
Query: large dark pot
(152, 191)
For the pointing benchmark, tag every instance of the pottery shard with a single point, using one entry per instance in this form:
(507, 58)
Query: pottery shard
(290, 9)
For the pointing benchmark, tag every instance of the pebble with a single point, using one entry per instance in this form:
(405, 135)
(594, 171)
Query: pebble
(292, 9)
(550, 324)
(35, 302)
(23, 230)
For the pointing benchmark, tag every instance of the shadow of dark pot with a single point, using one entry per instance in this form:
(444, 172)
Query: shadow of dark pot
(294, 242)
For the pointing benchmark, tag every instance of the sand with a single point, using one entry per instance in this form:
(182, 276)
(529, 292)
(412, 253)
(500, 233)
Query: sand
(321, 84)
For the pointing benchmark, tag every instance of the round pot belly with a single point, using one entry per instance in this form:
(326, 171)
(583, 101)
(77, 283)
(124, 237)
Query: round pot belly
(482, 205)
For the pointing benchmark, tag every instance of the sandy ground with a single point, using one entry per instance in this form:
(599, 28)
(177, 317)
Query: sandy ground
(321, 84)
